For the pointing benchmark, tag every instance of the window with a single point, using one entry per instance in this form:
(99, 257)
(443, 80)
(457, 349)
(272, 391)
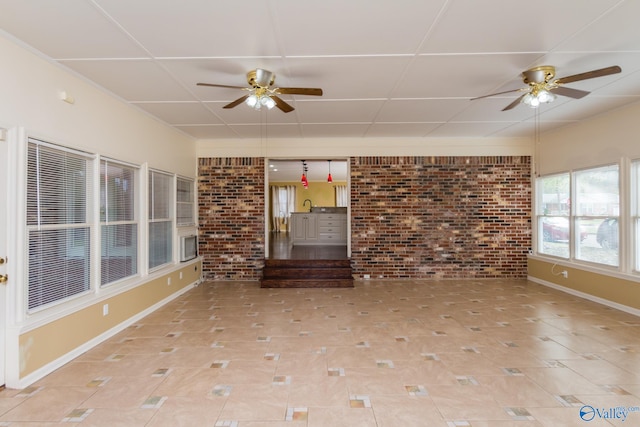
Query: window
(59, 199)
(553, 206)
(597, 210)
(160, 218)
(578, 215)
(635, 210)
(342, 195)
(283, 203)
(185, 202)
(118, 222)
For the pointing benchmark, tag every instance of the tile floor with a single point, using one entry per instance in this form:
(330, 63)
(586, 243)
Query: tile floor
(396, 353)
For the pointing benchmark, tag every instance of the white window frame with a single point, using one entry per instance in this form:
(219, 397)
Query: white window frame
(165, 216)
(185, 202)
(134, 221)
(88, 224)
(634, 203)
(547, 217)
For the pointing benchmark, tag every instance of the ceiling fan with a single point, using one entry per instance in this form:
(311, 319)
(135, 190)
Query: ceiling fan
(541, 88)
(262, 94)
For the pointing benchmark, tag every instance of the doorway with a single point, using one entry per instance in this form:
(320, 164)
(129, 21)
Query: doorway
(326, 189)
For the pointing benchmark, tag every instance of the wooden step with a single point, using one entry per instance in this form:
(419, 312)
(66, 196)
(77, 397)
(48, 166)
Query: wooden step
(306, 283)
(307, 273)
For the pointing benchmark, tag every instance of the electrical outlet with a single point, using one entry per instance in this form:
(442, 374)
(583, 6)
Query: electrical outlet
(565, 273)
(367, 276)
(168, 280)
(105, 309)
(181, 275)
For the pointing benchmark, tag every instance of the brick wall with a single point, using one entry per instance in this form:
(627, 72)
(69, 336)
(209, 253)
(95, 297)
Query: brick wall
(231, 208)
(411, 217)
(440, 217)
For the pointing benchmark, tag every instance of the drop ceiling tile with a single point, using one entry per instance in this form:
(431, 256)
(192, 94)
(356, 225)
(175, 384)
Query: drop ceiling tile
(355, 27)
(245, 115)
(355, 77)
(132, 80)
(180, 113)
(420, 110)
(468, 129)
(589, 106)
(271, 131)
(510, 26)
(169, 28)
(406, 130)
(67, 29)
(334, 111)
(349, 130)
(209, 132)
(615, 30)
(464, 76)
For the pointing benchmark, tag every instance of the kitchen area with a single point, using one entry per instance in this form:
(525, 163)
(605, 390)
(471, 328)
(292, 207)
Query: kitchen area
(308, 215)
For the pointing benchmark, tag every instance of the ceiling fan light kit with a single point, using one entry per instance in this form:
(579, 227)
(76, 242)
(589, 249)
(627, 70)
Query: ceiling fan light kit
(262, 94)
(542, 89)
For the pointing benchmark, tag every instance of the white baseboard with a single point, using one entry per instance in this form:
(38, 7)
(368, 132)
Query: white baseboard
(61, 361)
(586, 296)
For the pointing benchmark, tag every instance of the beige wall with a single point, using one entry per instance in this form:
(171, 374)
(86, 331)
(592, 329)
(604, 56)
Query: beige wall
(620, 292)
(46, 344)
(603, 140)
(610, 138)
(98, 123)
(320, 193)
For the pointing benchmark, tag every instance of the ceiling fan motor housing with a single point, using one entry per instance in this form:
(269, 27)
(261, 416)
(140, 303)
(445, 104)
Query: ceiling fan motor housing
(542, 74)
(260, 78)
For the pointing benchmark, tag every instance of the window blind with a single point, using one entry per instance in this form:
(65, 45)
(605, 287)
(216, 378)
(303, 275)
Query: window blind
(184, 202)
(160, 218)
(118, 222)
(59, 237)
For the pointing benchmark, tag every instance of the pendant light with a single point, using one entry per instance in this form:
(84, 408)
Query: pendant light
(329, 177)
(305, 182)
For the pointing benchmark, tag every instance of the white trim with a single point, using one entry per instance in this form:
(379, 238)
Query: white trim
(621, 307)
(602, 269)
(21, 383)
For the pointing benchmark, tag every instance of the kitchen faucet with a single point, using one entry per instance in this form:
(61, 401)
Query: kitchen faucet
(305, 202)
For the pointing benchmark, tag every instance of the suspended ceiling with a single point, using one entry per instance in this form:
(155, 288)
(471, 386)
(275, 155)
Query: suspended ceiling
(402, 68)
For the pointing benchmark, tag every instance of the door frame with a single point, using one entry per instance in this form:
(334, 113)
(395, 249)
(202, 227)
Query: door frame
(267, 204)
(4, 258)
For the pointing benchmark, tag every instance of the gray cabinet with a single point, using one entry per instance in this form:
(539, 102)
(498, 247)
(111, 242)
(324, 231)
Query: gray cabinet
(305, 227)
(319, 228)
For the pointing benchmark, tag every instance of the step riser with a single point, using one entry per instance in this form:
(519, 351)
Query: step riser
(273, 283)
(278, 263)
(310, 273)
(298, 273)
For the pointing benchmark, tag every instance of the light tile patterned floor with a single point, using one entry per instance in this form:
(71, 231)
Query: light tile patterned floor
(491, 353)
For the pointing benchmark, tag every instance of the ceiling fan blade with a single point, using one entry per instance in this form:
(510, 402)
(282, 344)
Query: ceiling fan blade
(590, 75)
(571, 93)
(215, 85)
(236, 102)
(514, 103)
(281, 104)
(299, 91)
(494, 94)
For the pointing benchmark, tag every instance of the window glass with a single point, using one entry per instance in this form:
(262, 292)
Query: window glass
(635, 211)
(119, 227)
(58, 224)
(160, 219)
(185, 202)
(597, 213)
(554, 202)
